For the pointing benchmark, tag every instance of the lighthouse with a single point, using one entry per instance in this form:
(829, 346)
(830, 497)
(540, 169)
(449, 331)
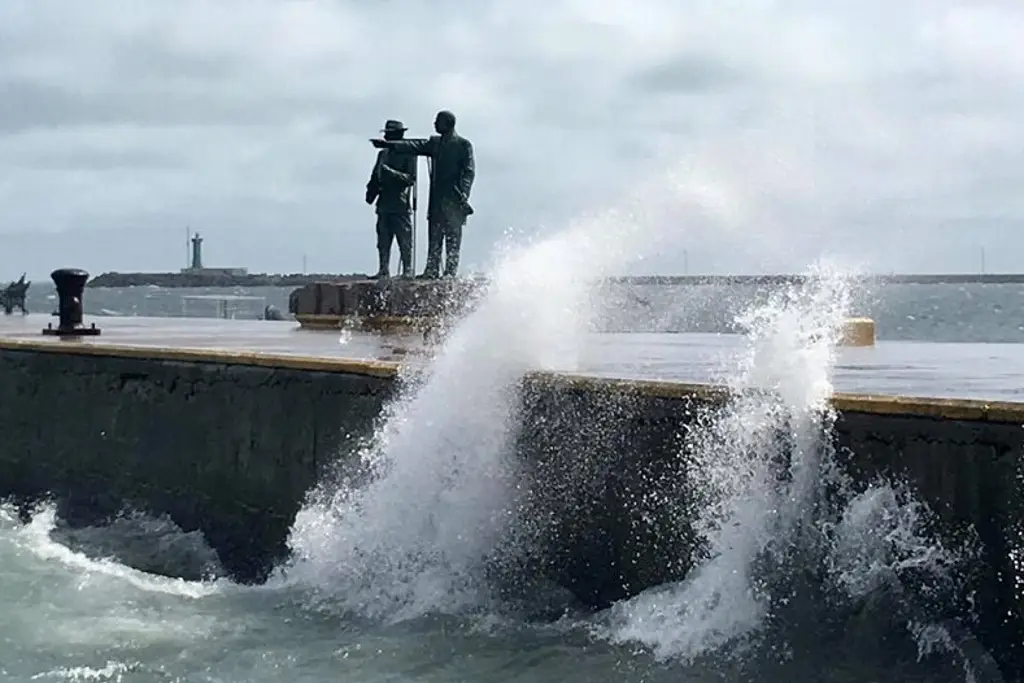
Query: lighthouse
(197, 268)
(197, 252)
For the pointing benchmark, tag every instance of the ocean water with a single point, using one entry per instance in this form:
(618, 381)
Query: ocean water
(982, 313)
(69, 617)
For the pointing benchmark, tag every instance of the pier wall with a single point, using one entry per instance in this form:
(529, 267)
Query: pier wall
(230, 443)
(221, 442)
(608, 466)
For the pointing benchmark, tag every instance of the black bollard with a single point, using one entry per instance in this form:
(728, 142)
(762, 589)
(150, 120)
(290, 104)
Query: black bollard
(70, 283)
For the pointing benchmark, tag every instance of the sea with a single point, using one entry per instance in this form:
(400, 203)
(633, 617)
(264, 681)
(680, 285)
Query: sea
(983, 313)
(389, 580)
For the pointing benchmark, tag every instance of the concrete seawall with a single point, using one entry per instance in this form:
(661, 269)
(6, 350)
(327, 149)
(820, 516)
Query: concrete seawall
(230, 443)
(613, 451)
(225, 442)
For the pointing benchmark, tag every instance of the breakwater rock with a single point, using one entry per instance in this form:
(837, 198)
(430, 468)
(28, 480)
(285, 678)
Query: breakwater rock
(212, 278)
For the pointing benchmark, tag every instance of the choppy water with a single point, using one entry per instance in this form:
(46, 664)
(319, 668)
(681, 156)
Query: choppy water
(69, 617)
(941, 313)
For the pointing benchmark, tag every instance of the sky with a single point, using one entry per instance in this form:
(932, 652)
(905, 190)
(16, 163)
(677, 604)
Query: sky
(882, 133)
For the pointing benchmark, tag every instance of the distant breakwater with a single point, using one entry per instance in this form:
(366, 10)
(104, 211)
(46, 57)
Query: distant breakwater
(213, 279)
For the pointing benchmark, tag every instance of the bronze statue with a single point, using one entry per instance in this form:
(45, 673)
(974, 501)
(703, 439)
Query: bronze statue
(452, 171)
(13, 296)
(393, 185)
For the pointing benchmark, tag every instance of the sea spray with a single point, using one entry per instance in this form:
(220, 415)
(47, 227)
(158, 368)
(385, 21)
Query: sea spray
(438, 493)
(781, 394)
(793, 553)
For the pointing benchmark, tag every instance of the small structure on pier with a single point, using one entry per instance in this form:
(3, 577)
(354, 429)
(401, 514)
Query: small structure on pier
(391, 305)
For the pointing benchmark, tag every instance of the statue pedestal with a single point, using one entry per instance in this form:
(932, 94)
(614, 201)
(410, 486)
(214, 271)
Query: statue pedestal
(397, 305)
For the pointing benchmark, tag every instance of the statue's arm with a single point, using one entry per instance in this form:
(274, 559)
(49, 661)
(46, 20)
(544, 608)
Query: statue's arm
(423, 147)
(398, 177)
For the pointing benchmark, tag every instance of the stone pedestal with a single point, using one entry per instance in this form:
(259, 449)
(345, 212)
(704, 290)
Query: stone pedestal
(395, 305)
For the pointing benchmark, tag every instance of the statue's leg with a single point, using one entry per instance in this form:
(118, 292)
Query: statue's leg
(452, 245)
(384, 237)
(403, 233)
(434, 236)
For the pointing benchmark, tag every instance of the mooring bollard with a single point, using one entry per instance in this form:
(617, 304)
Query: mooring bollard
(70, 283)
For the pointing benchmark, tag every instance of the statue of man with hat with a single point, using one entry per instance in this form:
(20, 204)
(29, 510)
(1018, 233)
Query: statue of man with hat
(392, 185)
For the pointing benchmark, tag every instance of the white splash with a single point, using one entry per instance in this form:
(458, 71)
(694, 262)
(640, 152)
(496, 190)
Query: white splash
(764, 466)
(783, 385)
(442, 491)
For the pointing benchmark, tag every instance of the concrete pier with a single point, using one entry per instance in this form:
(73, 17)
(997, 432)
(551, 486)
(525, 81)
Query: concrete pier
(226, 427)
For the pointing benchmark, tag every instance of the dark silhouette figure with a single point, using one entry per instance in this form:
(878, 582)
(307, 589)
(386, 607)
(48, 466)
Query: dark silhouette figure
(391, 185)
(13, 296)
(452, 171)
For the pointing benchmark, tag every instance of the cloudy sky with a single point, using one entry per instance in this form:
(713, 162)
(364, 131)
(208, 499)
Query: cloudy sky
(889, 133)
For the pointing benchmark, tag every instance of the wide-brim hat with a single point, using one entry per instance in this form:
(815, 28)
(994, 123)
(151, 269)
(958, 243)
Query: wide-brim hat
(391, 125)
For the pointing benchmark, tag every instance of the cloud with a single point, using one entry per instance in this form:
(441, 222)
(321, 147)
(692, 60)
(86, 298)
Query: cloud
(885, 132)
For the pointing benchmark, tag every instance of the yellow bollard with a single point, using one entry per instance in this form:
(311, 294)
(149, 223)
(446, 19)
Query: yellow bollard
(858, 332)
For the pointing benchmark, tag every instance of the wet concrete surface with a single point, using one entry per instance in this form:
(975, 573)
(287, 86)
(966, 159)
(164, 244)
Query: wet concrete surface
(940, 370)
(982, 371)
(263, 336)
